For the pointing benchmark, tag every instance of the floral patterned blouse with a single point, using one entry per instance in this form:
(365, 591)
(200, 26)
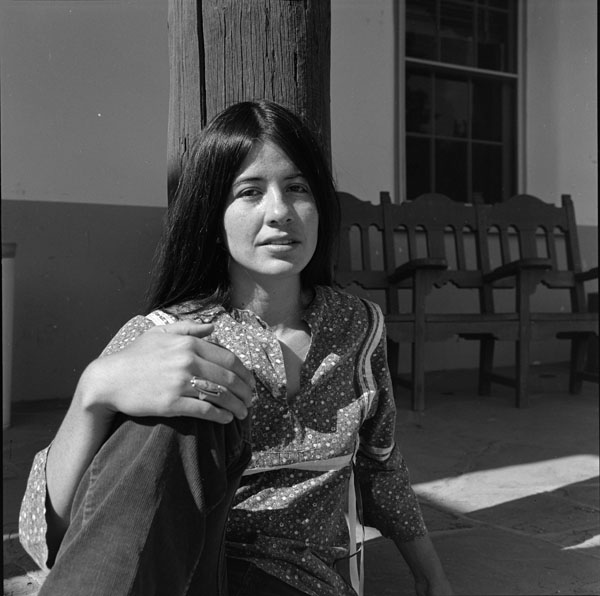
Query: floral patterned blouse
(289, 516)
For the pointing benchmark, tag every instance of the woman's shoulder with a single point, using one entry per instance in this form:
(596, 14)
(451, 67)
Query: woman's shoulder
(336, 299)
(347, 314)
(127, 333)
(139, 324)
(190, 310)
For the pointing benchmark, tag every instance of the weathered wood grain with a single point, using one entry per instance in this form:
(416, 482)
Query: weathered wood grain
(225, 51)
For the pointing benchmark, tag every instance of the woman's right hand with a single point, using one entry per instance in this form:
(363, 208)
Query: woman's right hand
(151, 377)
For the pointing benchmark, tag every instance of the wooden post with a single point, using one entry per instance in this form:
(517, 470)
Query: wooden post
(224, 51)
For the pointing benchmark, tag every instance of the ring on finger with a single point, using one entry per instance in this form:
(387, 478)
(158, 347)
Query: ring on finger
(206, 388)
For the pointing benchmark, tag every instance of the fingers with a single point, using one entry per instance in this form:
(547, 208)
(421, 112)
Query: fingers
(213, 353)
(227, 369)
(233, 394)
(204, 410)
(209, 363)
(227, 402)
(239, 383)
(204, 387)
(218, 395)
(198, 330)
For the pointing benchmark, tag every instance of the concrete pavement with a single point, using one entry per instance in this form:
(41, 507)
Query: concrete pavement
(511, 497)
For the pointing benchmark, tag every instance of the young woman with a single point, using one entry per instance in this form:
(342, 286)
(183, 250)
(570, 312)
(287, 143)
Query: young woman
(212, 447)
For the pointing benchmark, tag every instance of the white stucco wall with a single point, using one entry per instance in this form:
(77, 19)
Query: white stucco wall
(84, 101)
(363, 115)
(561, 150)
(84, 107)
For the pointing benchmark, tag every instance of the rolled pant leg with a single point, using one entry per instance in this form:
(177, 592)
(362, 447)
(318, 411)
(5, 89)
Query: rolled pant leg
(149, 515)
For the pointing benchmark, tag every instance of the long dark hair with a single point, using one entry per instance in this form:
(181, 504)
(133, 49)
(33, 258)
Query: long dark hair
(191, 261)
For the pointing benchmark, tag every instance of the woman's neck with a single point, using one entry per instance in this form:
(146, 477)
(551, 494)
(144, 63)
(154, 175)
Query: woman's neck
(279, 307)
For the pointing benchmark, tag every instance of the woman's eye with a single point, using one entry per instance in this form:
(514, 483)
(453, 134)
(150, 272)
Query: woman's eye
(249, 192)
(299, 188)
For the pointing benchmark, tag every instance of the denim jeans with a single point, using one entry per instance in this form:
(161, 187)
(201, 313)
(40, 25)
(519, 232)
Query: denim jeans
(149, 515)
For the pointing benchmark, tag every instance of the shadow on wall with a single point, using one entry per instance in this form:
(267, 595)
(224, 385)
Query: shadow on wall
(81, 271)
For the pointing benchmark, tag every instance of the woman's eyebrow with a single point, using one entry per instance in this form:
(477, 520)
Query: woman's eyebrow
(244, 179)
(248, 179)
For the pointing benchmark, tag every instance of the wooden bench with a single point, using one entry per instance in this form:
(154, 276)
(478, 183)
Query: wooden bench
(544, 251)
(422, 245)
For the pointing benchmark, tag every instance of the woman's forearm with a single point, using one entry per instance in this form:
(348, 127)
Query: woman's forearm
(78, 439)
(430, 579)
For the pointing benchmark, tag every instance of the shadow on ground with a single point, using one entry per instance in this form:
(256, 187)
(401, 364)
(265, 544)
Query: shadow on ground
(510, 496)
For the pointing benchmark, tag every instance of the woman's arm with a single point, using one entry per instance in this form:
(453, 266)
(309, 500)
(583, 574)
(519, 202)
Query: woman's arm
(421, 557)
(389, 502)
(79, 437)
(148, 377)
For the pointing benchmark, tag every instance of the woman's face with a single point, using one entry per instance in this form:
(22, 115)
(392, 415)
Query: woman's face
(271, 220)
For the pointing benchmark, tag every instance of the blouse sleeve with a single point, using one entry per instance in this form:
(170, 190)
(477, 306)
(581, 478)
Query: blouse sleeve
(389, 502)
(32, 516)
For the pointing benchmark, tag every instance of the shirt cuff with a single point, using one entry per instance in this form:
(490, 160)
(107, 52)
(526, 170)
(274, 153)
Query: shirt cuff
(32, 516)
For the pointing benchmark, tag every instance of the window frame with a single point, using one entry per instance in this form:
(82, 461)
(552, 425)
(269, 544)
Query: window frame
(402, 61)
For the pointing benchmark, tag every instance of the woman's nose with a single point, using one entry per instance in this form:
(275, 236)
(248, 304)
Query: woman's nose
(278, 210)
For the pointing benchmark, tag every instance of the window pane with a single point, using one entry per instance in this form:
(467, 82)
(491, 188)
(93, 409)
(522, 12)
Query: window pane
(457, 30)
(421, 29)
(487, 109)
(451, 169)
(418, 103)
(460, 124)
(499, 4)
(492, 40)
(451, 108)
(418, 168)
(487, 172)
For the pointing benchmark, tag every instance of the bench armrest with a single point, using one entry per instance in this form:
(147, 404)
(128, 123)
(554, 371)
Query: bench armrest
(515, 267)
(587, 275)
(409, 269)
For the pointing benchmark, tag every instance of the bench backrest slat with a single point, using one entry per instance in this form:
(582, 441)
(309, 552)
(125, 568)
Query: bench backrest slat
(472, 238)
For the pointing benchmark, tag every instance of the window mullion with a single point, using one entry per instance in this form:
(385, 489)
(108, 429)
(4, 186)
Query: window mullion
(507, 144)
(433, 138)
(469, 172)
(438, 28)
(476, 10)
(497, 74)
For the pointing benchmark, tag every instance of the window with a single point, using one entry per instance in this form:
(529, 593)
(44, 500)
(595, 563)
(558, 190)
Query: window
(460, 102)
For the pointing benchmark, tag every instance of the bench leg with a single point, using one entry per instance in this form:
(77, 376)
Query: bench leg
(522, 374)
(525, 287)
(486, 364)
(577, 364)
(418, 374)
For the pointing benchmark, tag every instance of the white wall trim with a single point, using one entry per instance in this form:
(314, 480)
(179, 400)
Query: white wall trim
(400, 100)
(522, 96)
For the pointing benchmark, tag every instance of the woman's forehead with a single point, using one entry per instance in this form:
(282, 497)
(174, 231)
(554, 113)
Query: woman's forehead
(266, 159)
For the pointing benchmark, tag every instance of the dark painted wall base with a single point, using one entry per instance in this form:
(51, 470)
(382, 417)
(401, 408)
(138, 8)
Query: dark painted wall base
(82, 271)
